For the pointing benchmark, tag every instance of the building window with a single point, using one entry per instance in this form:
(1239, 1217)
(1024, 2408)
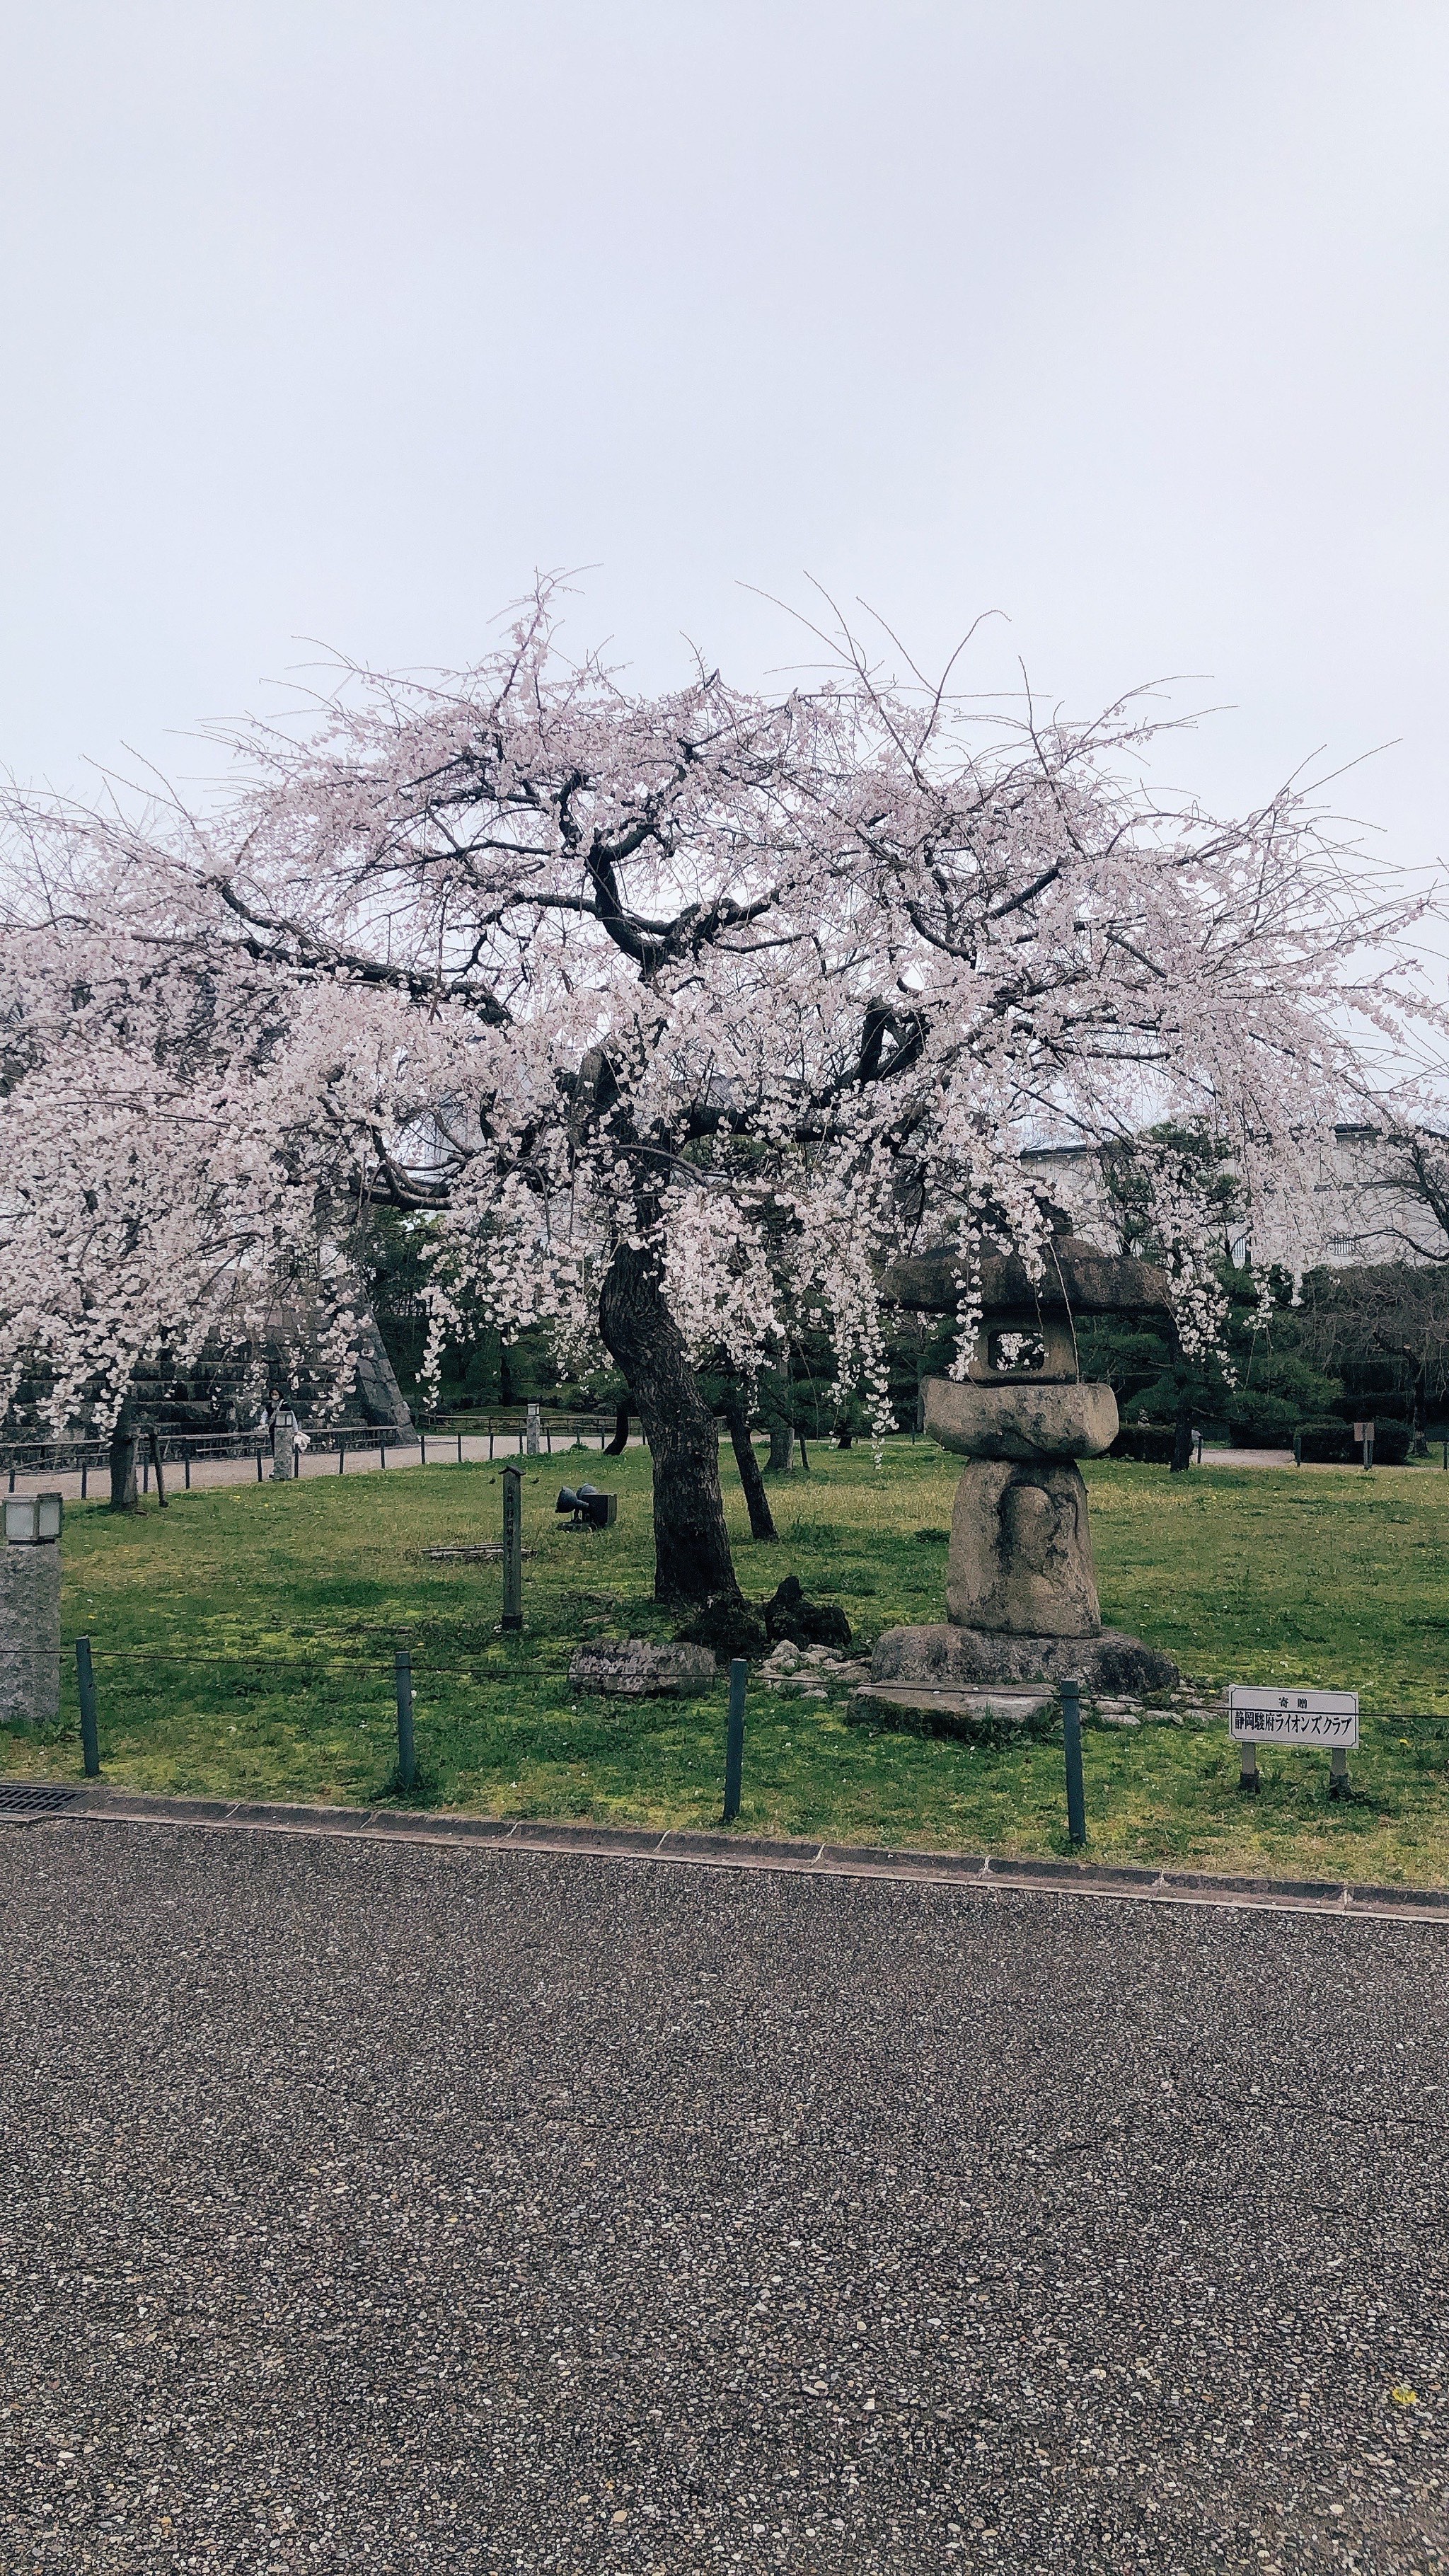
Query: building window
(1342, 1247)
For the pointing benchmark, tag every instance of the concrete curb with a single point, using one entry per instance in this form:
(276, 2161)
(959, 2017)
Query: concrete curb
(975, 1870)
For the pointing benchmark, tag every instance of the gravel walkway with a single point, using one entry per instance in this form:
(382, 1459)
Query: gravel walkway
(389, 2207)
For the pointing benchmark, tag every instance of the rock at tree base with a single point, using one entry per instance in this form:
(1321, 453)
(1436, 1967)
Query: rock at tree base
(728, 1628)
(804, 1623)
(974, 1716)
(950, 1658)
(633, 1668)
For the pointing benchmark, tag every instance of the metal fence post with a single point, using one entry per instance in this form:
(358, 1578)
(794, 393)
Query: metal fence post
(90, 1738)
(259, 1462)
(735, 1738)
(512, 1551)
(460, 1448)
(407, 1761)
(1072, 1737)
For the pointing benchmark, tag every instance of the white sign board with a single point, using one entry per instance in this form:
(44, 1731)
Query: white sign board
(1305, 1717)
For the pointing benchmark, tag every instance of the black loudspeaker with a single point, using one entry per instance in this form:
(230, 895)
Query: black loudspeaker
(588, 1507)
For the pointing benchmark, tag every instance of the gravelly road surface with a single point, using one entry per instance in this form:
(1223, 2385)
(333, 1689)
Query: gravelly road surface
(371, 2206)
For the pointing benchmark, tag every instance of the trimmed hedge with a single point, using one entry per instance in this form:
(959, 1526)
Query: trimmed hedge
(1332, 1444)
(1150, 1443)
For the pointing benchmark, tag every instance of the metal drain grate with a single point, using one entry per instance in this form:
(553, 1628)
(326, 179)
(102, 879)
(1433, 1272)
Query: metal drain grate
(41, 1800)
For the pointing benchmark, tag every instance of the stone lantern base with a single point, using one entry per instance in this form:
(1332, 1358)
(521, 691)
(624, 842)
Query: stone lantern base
(29, 1636)
(1109, 1665)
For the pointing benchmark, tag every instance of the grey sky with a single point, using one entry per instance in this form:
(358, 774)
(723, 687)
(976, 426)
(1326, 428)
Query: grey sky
(1128, 320)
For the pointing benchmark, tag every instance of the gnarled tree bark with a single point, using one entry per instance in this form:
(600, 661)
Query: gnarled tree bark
(692, 1561)
(782, 1446)
(124, 1496)
(757, 1501)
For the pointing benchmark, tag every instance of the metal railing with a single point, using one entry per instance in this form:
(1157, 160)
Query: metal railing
(434, 1439)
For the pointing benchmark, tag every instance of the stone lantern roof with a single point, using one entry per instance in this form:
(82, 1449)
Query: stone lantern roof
(1078, 1280)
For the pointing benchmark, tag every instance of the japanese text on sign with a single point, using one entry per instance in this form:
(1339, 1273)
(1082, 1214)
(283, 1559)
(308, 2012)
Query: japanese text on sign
(1305, 1717)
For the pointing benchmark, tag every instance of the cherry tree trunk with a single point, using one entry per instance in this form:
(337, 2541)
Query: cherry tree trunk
(124, 1497)
(762, 1519)
(782, 1446)
(692, 1561)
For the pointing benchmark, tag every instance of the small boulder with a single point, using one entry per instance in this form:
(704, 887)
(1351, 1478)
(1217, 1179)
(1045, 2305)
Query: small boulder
(804, 1623)
(633, 1668)
(729, 1627)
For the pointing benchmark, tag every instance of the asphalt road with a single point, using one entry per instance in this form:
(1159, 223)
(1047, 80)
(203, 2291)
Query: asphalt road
(369, 2206)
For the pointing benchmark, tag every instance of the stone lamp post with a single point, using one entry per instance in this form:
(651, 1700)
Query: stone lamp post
(30, 1611)
(1021, 1588)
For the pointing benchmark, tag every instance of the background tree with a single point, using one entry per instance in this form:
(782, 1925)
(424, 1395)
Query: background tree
(606, 983)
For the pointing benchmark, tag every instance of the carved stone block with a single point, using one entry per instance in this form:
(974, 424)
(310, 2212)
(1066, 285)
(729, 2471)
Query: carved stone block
(1021, 1551)
(1029, 1420)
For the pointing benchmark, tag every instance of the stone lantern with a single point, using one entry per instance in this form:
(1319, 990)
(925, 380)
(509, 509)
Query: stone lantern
(1021, 1588)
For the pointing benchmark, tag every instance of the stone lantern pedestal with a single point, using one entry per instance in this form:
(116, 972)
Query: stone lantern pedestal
(30, 1611)
(1021, 1588)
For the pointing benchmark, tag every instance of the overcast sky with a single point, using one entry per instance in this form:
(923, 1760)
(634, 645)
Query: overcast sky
(1126, 321)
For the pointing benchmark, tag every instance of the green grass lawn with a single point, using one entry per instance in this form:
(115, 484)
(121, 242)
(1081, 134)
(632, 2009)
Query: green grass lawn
(244, 1644)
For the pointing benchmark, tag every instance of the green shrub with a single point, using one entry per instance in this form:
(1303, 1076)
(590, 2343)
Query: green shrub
(1324, 1444)
(1333, 1443)
(1150, 1443)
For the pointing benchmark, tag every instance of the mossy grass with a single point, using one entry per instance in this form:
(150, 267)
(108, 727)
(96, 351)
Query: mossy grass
(244, 1647)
